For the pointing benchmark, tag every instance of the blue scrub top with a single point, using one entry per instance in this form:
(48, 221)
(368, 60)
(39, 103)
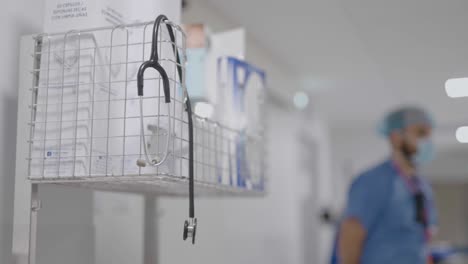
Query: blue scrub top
(384, 204)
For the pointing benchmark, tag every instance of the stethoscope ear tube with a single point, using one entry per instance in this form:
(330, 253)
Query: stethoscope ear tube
(191, 169)
(165, 79)
(190, 225)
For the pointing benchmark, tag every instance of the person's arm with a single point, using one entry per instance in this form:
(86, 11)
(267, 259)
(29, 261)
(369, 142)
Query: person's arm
(433, 220)
(351, 241)
(367, 198)
(432, 210)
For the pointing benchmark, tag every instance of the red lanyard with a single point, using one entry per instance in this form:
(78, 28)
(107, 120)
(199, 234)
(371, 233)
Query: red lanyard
(414, 188)
(412, 185)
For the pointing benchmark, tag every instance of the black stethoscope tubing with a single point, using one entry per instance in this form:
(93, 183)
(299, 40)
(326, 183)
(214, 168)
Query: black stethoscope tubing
(153, 63)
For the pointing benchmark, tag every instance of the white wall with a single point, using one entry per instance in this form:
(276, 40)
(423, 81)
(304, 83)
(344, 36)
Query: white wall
(65, 232)
(318, 185)
(118, 222)
(453, 212)
(357, 148)
(16, 18)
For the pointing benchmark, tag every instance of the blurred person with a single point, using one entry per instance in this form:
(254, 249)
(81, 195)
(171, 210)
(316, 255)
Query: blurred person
(390, 214)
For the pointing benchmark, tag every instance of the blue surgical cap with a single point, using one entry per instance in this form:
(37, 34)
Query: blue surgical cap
(404, 117)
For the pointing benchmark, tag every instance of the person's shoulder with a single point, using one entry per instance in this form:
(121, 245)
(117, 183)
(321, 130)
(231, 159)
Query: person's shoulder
(374, 184)
(380, 174)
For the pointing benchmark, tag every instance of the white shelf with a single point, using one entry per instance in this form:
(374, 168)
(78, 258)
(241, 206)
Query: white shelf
(156, 185)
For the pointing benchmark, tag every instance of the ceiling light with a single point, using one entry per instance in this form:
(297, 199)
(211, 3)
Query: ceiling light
(301, 100)
(457, 87)
(462, 134)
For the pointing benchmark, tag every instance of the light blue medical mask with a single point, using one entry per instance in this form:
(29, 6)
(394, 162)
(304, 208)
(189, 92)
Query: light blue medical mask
(195, 72)
(425, 152)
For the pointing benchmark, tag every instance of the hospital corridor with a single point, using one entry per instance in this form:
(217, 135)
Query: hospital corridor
(246, 131)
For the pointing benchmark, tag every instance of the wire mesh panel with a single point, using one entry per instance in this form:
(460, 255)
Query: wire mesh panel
(90, 127)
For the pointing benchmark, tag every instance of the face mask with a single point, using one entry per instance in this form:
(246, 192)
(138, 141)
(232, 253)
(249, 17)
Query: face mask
(425, 152)
(195, 76)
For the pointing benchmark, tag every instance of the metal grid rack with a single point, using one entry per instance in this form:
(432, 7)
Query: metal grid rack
(90, 128)
(82, 122)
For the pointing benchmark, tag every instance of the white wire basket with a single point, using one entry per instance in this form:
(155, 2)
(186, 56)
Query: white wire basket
(90, 128)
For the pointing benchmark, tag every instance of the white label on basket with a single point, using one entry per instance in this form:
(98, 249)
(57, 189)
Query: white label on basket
(68, 10)
(76, 9)
(130, 165)
(64, 15)
(53, 153)
(99, 163)
(58, 162)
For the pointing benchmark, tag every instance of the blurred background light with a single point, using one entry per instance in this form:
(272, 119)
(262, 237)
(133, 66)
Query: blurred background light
(301, 100)
(462, 134)
(457, 87)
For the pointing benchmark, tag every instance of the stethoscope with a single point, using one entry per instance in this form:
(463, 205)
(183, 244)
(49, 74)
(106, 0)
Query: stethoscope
(190, 225)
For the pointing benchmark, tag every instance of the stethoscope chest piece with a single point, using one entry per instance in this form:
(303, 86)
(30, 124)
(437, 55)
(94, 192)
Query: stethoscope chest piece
(190, 229)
